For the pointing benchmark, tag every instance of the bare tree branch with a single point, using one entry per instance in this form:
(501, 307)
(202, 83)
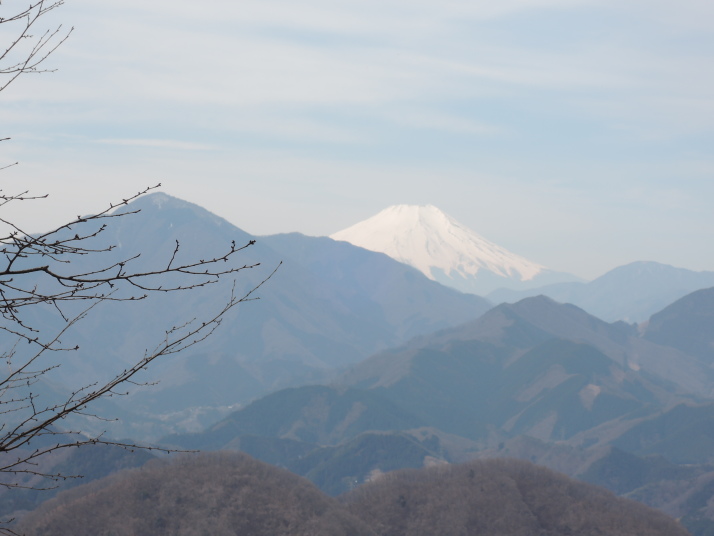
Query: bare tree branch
(41, 271)
(25, 52)
(26, 421)
(40, 48)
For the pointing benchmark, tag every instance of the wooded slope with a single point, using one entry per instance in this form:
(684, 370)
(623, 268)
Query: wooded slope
(232, 493)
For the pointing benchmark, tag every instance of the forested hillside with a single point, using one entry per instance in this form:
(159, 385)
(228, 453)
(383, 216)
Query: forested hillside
(499, 498)
(233, 494)
(217, 494)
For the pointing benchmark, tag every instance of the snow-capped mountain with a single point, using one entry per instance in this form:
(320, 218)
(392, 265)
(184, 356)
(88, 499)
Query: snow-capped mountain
(446, 251)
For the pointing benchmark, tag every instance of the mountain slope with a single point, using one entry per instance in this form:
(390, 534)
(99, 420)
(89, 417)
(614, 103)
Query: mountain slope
(539, 368)
(687, 324)
(334, 305)
(445, 250)
(372, 286)
(229, 493)
(499, 498)
(632, 292)
(536, 380)
(513, 329)
(313, 414)
(554, 391)
(219, 494)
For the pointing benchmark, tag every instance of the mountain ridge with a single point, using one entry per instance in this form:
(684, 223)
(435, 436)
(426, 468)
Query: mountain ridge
(632, 292)
(444, 250)
(232, 493)
(329, 305)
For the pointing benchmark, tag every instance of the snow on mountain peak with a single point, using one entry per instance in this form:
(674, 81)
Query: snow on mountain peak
(430, 241)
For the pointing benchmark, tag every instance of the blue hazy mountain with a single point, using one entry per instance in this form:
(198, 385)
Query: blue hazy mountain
(687, 324)
(328, 306)
(536, 368)
(536, 379)
(516, 328)
(631, 293)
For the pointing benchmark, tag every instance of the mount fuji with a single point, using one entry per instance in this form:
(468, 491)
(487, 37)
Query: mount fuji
(446, 251)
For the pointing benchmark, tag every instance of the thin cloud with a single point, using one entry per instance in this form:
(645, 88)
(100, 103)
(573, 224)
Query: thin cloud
(162, 144)
(379, 97)
(433, 120)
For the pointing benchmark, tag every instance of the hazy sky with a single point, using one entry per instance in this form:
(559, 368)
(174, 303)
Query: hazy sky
(576, 133)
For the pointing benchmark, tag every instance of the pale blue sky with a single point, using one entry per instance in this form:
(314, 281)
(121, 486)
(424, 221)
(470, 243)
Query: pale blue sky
(576, 133)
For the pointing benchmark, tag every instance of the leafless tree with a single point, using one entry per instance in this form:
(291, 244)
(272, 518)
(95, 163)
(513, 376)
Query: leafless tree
(25, 52)
(42, 271)
(36, 271)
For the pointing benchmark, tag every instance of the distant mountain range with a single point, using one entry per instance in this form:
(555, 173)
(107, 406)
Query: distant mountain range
(536, 368)
(447, 251)
(352, 364)
(327, 307)
(538, 380)
(631, 293)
